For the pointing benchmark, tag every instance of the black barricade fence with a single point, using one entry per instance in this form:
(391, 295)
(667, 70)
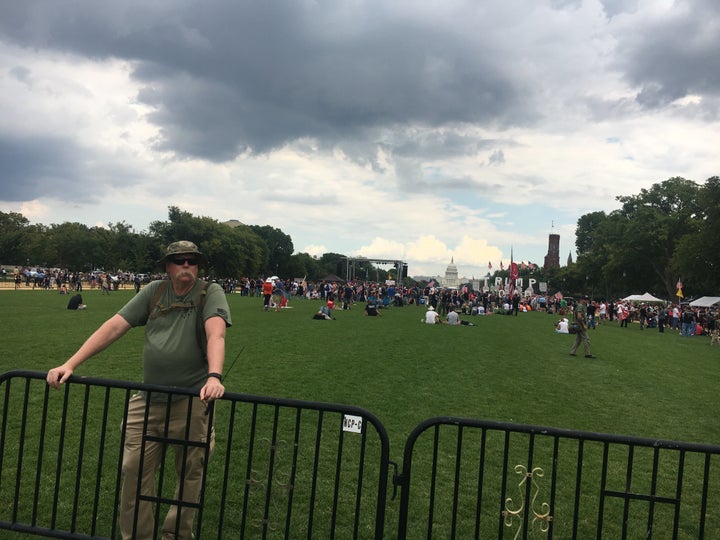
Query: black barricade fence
(280, 469)
(295, 469)
(465, 478)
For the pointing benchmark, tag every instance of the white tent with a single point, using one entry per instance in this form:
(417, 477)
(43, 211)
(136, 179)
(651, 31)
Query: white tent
(647, 297)
(706, 301)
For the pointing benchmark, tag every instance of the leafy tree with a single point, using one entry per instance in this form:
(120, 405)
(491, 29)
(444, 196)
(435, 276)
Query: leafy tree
(73, 243)
(280, 248)
(588, 232)
(305, 265)
(333, 263)
(658, 219)
(232, 252)
(633, 247)
(697, 255)
(13, 237)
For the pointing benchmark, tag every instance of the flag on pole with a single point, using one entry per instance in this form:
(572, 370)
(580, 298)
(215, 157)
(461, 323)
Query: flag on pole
(513, 277)
(513, 274)
(679, 292)
(501, 266)
(489, 265)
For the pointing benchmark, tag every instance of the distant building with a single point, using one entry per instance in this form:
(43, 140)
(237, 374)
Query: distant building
(552, 259)
(451, 275)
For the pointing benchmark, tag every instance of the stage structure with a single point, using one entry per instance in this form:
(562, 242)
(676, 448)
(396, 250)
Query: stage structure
(399, 265)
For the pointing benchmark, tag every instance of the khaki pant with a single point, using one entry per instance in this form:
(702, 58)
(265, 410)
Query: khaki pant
(134, 465)
(581, 337)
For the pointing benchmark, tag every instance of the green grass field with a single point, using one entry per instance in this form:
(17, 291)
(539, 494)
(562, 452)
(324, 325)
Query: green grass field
(514, 369)
(511, 369)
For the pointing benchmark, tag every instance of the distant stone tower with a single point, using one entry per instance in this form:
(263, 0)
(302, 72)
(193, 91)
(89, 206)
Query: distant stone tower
(451, 275)
(552, 259)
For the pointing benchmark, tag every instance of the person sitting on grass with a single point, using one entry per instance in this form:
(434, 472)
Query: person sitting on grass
(453, 318)
(76, 302)
(323, 314)
(371, 310)
(562, 326)
(431, 316)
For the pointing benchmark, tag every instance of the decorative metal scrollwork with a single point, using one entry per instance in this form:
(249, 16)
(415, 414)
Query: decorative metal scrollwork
(541, 518)
(280, 481)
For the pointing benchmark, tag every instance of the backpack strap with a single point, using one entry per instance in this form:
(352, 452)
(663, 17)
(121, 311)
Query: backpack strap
(157, 309)
(200, 333)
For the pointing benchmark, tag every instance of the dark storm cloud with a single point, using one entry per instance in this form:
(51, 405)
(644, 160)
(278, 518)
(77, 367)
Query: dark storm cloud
(616, 7)
(34, 167)
(31, 167)
(225, 76)
(435, 144)
(673, 57)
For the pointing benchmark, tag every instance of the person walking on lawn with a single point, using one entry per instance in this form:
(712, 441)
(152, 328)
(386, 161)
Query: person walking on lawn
(581, 319)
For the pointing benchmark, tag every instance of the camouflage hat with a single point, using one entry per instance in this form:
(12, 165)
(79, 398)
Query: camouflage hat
(183, 247)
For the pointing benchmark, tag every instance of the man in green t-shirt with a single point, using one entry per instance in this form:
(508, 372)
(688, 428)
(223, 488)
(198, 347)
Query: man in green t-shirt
(581, 336)
(179, 350)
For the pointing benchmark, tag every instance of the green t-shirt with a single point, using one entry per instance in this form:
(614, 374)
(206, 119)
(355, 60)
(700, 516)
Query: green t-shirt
(171, 354)
(581, 314)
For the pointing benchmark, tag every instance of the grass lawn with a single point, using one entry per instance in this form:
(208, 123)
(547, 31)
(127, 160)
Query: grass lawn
(514, 369)
(511, 369)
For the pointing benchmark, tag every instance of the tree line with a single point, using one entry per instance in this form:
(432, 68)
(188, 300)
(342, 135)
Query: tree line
(234, 250)
(664, 235)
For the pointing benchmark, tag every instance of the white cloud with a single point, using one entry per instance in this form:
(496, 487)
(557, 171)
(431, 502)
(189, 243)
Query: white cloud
(422, 131)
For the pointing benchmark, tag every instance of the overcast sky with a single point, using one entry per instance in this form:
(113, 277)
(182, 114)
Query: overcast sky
(419, 130)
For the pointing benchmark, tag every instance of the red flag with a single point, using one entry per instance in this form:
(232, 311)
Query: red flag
(679, 284)
(489, 265)
(513, 277)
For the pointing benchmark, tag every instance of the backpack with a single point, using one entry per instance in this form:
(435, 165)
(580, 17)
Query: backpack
(157, 309)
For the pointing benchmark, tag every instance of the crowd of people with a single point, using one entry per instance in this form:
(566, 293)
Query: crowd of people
(686, 320)
(66, 280)
(683, 319)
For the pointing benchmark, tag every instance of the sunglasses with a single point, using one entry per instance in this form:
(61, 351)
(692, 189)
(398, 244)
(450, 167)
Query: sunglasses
(180, 261)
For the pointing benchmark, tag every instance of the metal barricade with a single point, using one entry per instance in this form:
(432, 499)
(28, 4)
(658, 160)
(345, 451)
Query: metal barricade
(465, 478)
(285, 468)
(281, 468)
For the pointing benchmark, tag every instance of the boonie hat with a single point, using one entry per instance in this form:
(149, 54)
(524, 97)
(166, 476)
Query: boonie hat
(183, 247)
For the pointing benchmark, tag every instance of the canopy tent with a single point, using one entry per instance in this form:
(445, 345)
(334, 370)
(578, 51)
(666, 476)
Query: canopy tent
(647, 297)
(705, 301)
